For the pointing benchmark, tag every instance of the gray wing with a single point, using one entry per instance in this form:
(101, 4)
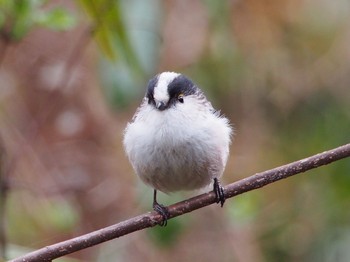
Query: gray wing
(203, 99)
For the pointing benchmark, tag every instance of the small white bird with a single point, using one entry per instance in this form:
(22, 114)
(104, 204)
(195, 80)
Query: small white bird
(176, 139)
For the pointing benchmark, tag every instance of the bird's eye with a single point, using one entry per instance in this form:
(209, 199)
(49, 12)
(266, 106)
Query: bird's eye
(180, 98)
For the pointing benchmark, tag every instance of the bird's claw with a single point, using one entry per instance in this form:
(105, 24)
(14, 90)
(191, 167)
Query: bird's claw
(219, 192)
(163, 211)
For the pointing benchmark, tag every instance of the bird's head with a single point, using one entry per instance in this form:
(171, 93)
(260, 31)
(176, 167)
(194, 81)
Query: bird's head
(168, 89)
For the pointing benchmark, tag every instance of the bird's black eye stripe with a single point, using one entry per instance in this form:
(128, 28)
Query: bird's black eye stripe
(150, 89)
(181, 85)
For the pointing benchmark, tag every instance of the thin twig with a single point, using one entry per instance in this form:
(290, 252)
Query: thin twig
(151, 219)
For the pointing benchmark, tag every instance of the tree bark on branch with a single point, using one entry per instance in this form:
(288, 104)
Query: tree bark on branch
(151, 219)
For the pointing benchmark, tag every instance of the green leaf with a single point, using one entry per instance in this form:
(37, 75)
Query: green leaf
(21, 16)
(104, 39)
(110, 31)
(57, 19)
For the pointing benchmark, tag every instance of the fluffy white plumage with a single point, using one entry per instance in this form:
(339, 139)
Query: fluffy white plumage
(182, 146)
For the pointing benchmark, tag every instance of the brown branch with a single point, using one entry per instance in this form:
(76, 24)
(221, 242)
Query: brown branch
(151, 219)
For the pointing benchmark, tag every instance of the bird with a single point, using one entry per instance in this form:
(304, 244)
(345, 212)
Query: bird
(176, 140)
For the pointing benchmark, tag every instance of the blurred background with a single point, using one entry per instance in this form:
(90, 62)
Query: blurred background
(72, 73)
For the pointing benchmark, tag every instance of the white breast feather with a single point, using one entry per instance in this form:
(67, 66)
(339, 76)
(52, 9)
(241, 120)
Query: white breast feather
(180, 148)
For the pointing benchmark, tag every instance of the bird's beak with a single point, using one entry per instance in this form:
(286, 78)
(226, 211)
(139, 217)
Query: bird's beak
(160, 105)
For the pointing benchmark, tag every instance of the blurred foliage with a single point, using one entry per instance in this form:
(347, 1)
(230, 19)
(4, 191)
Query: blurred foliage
(123, 79)
(278, 69)
(18, 17)
(51, 216)
(167, 236)
(109, 30)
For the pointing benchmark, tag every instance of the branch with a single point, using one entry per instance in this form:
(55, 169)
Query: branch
(151, 219)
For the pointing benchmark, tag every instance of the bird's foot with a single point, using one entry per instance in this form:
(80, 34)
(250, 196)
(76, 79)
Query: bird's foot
(219, 192)
(163, 211)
